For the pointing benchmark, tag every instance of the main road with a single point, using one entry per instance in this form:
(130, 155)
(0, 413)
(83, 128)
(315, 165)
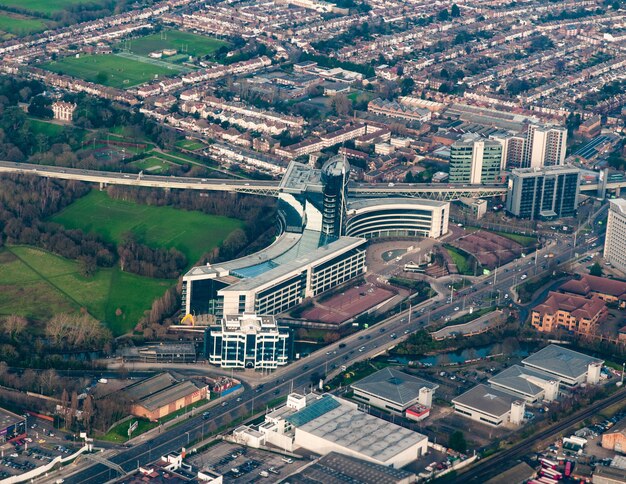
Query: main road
(300, 375)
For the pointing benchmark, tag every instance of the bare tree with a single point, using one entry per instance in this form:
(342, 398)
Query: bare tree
(15, 325)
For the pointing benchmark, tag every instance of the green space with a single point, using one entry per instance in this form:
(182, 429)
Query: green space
(20, 24)
(466, 318)
(183, 42)
(42, 6)
(465, 263)
(193, 233)
(190, 144)
(523, 240)
(421, 287)
(152, 165)
(119, 433)
(38, 284)
(110, 70)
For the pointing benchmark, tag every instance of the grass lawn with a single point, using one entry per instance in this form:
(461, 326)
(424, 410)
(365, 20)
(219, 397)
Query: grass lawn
(119, 433)
(109, 70)
(190, 144)
(152, 165)
(523, 240)
(43, 6)
(17, 24)
(462, 260)
(37, 284)
(184, 42)
(193, 233)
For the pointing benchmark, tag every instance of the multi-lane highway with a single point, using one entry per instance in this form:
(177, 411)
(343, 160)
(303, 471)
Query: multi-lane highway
(299, 375)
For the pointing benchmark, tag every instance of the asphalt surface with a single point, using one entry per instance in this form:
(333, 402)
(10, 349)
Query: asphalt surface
(300, 375)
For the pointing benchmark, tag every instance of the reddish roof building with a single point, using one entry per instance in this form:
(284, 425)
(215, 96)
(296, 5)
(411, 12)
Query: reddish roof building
(570, 312)
(609, 290)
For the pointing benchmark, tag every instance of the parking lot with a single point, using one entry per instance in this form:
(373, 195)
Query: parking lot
(241, 464)
(26, 454)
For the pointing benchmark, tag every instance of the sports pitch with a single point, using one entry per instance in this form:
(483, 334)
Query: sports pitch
(193, 233)
(43, 6)
(110, 70)
(184, 42)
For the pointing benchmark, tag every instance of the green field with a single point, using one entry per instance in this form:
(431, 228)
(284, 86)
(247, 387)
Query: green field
(20, 24)
(110, 70)
(152, 165)
(190, 144)
(193, 233)
(184, 42)
(464, 262)
(37, 284)
(43, 6)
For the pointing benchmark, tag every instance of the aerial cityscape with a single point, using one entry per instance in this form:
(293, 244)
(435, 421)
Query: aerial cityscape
(312, 241)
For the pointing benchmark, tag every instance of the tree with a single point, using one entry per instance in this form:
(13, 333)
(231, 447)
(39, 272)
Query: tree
(65, 403)
(457, 442)
(342, 106)
(455, 11)
(40, 107)
(443, 15)
(14, 325)
(596, 270)
(73, 407)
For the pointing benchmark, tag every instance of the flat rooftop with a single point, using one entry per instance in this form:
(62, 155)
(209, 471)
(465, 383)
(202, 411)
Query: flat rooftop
(486, 400)
(393, 385)
(300, 177)
(9, 418)
(330, 419)
(357, 204)
(561, 361)
(335, 468)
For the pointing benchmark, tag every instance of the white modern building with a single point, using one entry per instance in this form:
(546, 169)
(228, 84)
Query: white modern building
(531, 385)
(397, 217)
(248, 341)
(545, 146)
(394, 391)
(490, 406)
(324, 424)
(570, 367)
(615, 243)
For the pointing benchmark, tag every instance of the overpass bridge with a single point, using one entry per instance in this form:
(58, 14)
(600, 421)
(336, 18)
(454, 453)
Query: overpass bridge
(431, 191)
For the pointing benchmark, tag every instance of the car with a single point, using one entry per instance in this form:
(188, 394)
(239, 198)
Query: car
(342, 345)
(361, 349)
(457, 308)
(224, 404)
(239, 399)
(276, 392)
(382, 330)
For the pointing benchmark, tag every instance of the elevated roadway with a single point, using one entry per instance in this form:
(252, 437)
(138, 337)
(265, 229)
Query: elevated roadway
(431, 191)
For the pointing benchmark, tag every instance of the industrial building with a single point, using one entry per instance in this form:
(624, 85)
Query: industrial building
(394, 391)
(615, 437)
(162, 394)
(11, 425)
(490, 406)
(531, 385)
(248, 341)
(336, 467)
(543, 193)
(569, 367)
(321, 245)
(615, 242)
(325, 424)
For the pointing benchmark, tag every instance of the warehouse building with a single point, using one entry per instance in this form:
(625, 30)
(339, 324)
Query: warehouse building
(531, 385)
(490, 406)
(569, 367)
(11, 425)
(325, 424)
(160, 395)
(394, 391)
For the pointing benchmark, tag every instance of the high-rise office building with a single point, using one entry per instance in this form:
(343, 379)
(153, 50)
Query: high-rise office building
(549, 192)
(615, 243)
(475, 160)
(248, 341)
(335, 176)
(512, 150)
(545, 146)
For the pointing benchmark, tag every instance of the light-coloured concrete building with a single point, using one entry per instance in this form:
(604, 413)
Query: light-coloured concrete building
(529, 384)
(490, 406)
(63, 111)
(570, 367)
(394, 391)
(615, 243)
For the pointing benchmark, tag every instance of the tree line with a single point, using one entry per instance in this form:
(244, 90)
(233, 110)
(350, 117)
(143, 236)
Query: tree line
(150, 262)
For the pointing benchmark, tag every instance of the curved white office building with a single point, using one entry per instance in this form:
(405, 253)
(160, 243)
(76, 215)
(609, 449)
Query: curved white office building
(397, 217)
